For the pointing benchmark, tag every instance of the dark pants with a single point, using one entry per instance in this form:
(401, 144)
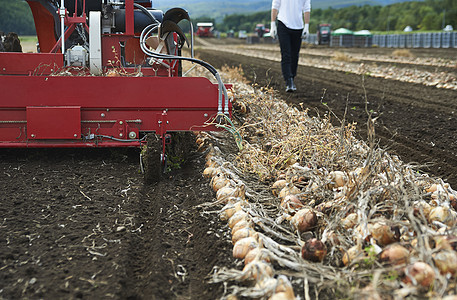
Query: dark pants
(290, 43)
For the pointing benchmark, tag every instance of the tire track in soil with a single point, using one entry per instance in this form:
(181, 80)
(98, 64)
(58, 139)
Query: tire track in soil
(416, 122)
(178, 247)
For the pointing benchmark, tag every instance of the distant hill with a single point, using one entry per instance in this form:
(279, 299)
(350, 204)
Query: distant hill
(219, 9)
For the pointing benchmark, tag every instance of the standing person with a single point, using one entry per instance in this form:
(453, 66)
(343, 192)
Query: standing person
(290, 31)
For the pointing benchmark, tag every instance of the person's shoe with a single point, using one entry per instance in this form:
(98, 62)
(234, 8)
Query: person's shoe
(289, 85)
(294, 88)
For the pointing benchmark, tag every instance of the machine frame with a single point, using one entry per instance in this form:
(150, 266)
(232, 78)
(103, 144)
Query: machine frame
(47, 103)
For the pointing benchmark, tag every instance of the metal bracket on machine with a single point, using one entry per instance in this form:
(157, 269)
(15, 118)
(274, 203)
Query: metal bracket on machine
(162, 122)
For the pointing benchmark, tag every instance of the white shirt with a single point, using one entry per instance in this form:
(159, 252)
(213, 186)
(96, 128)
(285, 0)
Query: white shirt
(290, 12)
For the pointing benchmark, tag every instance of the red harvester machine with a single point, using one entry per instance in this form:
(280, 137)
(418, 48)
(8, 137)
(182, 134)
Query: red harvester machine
(108, 74)
(205, 29)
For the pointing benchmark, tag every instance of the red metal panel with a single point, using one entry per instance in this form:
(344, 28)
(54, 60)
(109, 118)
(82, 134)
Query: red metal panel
(12, 63)
(134, 93)
(69, 144)
(12, 133)
(111, 49)
(62, 122)
(44, 25)
(129, 22)
(56, 108)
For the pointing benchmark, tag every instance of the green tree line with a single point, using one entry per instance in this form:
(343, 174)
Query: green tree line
(16, 16)
(420, 15)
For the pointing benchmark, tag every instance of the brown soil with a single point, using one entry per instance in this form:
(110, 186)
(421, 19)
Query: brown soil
(81, 223)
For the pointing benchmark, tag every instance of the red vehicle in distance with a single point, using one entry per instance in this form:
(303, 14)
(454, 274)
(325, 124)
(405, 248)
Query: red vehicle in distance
(205, 29)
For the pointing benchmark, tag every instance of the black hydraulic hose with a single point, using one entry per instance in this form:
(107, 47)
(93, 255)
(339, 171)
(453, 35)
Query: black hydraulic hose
(146, 12)
(120, 140)
(168, 56)
(198, 61)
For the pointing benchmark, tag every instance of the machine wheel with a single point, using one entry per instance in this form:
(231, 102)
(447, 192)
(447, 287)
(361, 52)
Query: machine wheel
(151, 159)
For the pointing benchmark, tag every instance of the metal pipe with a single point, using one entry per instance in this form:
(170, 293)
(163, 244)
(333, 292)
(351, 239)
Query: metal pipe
(62, 24)
(191, 40)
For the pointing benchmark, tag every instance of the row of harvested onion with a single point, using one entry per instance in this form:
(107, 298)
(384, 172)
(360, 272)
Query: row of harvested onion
(247, 243)
(392, 245)
(387, 220)
(391, 242)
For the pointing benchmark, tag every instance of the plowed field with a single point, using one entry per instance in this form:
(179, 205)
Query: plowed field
(82, 224)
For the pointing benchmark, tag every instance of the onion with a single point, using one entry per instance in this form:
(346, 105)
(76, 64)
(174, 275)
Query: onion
(266, 286)
(395, 254)
(278, 186)
(202, 143)
(240, 225)
(441, 214)
(229, 209)
(237, 217)
(208, 172)
(350, 220)
(423, 207)
(237, 191)
(326, 207)
(419, 273)
(211, 171)
(446, 261)
(353, 253)
(433, 188)
(243, 246)
(291, 203)
(200, 140)
(282, 296)
(219, 181)
(337, 179)
(447, 242)
(288, 190)
(284, 285)
(113, 73)
(257, 254)
(383, 234)
(304, 219)
(210, 161)
(284, 290)
(242, 233)
(257, 270)
(224, 193)
(453, 202)
(314, 250)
